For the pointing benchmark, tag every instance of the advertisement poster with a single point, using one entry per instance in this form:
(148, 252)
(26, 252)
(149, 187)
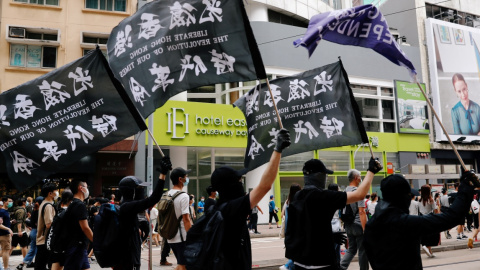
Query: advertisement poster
(34, 56)
(454, 64)
(411, 108)
(17, 55)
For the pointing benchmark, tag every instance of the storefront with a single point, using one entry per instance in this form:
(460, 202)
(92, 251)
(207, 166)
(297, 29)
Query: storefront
(203, 136)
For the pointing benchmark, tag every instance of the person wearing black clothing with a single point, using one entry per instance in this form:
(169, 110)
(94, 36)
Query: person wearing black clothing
(79, 231)
(392, 221)
(309, 240)
(133, 201)
(237, 206)
(212, 194)
(32, 224)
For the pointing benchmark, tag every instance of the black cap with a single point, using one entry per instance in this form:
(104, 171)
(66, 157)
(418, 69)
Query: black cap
(314, 166)
(39, 199)
(394, 186)
(178, 172)
(226, 175)
(132, 182)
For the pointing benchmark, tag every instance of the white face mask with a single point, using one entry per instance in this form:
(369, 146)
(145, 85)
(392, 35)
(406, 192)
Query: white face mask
(56, 195)
(85, 193)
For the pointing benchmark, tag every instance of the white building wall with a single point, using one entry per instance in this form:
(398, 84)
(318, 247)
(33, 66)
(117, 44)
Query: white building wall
(251, 181)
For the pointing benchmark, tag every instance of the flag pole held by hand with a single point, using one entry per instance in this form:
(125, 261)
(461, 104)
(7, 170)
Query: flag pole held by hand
(440, 122)
(153, 138)
(274, 104)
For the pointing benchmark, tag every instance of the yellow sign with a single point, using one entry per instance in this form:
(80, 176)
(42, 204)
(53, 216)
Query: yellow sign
(180, 123)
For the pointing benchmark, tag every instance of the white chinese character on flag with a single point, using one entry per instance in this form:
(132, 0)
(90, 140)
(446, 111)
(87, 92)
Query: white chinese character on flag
(149, 26)
(223, 62)
(81, 77)
(276, 96)
(211, 11)
(52, 95)
(297, 90)
(24, 107)
(3, 117)
(81, 134)
(51, 150)
(22, 163)
(162, 77)
(138, 91)
(331, 127)
(123, 40)
(198, 65)
(105, 125)
(324, 81)
(181, 15)
(299, 130)
(255, 148)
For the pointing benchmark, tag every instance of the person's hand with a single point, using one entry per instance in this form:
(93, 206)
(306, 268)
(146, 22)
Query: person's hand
(165, 165)
(11, 232)
(374, 165)
(339, 238)
(283, 140)
(469, 178)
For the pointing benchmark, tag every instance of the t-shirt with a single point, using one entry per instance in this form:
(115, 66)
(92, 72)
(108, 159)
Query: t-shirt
(209, 202)
(181, 204)
(271, 206)
(153, 213)
(444, 201)
(355, 206)
(45, 216)
(371, 208)
(200, 204)
(427, 208)
(76, 212)
(236, 241)
(5, 216)
(312, 244)
(413, 209)
(20, 214)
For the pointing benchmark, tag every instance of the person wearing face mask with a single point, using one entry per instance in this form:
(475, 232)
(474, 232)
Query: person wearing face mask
(235, 206)
(309, 240)
(355, 230)
(45, 219)
(179, 177)
(201, 207)
(79, 231)
(392, 221)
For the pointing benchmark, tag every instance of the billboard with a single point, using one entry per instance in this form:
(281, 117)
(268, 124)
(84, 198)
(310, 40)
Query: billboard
(411, 108)
(454, 64)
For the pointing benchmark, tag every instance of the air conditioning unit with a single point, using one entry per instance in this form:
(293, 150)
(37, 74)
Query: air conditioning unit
(17, 32)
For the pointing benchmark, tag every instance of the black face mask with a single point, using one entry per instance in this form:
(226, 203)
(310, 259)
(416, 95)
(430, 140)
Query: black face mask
(318, 179)
(139, 193)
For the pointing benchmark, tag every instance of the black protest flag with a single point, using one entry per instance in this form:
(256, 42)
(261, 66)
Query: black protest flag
(50, 122)
(317, 107)
(170, 46)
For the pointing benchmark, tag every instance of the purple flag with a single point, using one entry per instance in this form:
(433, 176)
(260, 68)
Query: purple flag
(362, 26)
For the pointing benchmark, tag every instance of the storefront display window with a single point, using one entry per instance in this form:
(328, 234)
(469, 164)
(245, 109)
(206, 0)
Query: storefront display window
(363, 157)
(295, 162)
(335, 161)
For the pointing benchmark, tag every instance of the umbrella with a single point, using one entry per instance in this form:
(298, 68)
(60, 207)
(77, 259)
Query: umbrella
(415, 192)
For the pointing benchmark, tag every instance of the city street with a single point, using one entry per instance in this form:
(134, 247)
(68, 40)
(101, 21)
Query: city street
(268, 253)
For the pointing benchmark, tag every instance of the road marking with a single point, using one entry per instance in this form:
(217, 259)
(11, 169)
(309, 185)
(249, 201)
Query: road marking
(437, 265)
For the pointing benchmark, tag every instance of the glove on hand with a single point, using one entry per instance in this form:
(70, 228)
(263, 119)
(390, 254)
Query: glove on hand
(339, 238)
(165, 165)
(374, 165)
(469, 178)
(283, 140)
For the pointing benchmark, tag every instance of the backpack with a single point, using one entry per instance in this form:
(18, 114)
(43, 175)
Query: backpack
(347, 215)
(169, 224)
(55, 239)
(203, 247)
(107, 241)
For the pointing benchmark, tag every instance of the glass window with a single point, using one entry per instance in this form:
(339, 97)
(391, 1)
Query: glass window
(335, 160)
(110, 5)
(39, 2)
(394, 159)
(33, 56)
(372, 126)
(204, 159)
(342, 182)
(389, 127)
(376, 185)
(362, 157)
(387, 109)
(232, 157)
(364, 89)
(368, 107)
(202, 89)
(204, 100)
(386, 92)
(295, 162)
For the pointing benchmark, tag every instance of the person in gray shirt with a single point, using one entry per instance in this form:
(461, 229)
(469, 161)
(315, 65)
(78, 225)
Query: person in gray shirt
(444, 203)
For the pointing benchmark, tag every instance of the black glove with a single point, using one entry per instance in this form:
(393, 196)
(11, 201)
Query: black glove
(339, 238)
(469, 178)
(374, 165)
(165, 165)
(283, 140)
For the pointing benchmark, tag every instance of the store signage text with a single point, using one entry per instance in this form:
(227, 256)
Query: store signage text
(178, 125)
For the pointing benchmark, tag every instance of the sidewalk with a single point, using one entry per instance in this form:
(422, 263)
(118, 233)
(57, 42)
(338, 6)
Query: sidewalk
(447, 244)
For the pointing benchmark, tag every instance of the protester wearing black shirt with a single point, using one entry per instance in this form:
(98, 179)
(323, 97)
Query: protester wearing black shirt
(79, 231)
(237, 206)
(133, 201)
(393, 222)
(212, 194)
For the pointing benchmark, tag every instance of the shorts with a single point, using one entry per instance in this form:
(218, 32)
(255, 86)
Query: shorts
(272, 215)
(57, 258)
(475, 221)
(76, 258)
(20, 239)
(6, 242)
(178, 250)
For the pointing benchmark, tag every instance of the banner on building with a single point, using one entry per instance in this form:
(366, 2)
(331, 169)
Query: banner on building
(412, 113)
(362, 26)
(454, 66)
(170, 46)
(317, 107)
(50, 122)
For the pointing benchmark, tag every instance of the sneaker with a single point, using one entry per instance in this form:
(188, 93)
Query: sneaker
(31, 265)
(283, 267)
(464, 236)
(427, 251)
(433, 255)
(20, 266)
(166, 263)
(470, 243)
(258, 233)
(459, 237)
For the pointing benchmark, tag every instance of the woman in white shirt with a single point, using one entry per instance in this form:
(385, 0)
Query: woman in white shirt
(373, 204)
(428, 206)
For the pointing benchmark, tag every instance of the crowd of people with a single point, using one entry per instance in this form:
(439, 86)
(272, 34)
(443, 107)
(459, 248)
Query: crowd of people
(312, 239)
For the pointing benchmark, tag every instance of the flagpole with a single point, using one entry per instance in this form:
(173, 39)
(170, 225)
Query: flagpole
(274, 104)
(371, 151)
(153, 138)
(440, 122)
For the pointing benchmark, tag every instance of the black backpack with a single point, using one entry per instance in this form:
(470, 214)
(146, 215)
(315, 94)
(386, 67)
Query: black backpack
(347, 215)
(57, 235)
(107, 241)
(204, 241)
